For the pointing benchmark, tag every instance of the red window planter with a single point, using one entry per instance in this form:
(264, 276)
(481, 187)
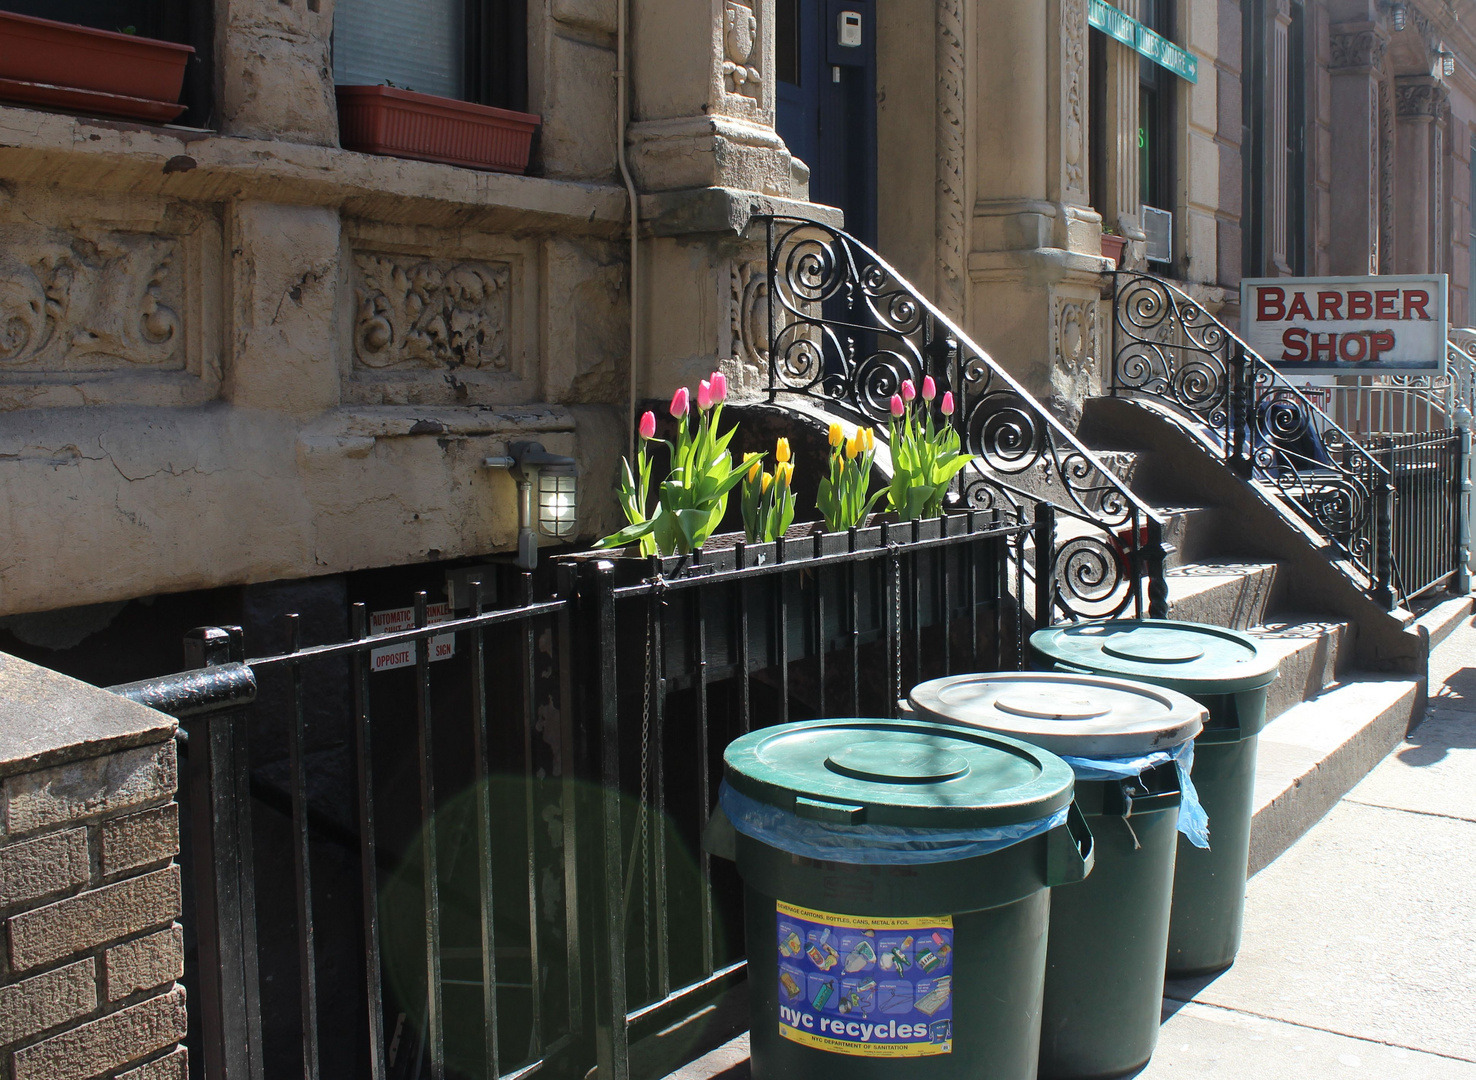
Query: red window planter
(403, 123)
(63, 66)
(1112, 247)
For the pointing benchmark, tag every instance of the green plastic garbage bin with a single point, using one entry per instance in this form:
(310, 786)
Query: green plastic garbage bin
(1227, 673)
(1108, 934)
(896, 891)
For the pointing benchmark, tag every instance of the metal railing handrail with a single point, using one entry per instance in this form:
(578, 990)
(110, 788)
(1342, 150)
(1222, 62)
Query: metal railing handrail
(1266, 428)
(890, 332)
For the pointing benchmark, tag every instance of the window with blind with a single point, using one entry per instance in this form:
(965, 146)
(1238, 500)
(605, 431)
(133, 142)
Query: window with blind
(472, 50)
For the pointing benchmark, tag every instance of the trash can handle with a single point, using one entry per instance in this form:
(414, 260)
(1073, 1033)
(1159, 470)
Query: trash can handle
(835, 813)
(1070, 854)
(1161, 791)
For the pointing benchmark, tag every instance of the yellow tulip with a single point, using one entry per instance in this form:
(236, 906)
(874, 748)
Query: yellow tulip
(784, 472)
(781, 451)
(753, 470)
(837, 436)
(855, 444)
(870, 439)
(768, 479)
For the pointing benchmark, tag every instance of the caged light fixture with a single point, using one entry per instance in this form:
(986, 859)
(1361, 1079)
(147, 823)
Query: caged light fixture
(548, 495)
(1447, 62)
(1398, 15)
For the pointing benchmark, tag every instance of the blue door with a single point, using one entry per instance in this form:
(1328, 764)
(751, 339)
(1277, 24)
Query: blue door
(825, 56)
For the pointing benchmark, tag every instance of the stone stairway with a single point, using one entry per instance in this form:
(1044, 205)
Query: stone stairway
(1331, 716)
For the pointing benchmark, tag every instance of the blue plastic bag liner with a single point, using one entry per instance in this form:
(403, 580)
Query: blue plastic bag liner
(887, 845)
(1193, 821)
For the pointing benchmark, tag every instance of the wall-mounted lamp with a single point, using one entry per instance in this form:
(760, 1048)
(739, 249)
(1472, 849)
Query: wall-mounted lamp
(1398, 15)
(1447, 61)
(548, 495)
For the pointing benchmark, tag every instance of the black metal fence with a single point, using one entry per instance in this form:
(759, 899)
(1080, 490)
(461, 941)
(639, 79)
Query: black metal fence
(472, 847)
(1425, 470)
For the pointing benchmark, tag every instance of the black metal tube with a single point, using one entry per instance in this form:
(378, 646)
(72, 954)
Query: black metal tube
(302, 863)
(368, 865)
(429, 867)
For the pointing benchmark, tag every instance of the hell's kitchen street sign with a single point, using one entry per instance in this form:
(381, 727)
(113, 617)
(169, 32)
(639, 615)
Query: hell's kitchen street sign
(1347, 325)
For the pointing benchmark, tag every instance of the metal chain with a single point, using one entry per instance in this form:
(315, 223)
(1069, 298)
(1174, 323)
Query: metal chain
(897, 632)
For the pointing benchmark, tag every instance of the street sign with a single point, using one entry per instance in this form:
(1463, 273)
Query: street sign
(1147, 43)
(404, 653)
(1347, 325)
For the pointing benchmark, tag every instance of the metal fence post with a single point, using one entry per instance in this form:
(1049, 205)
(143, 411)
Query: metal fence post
(1463, 513)
(225, 892)
(1383, 592)
(612, 1036)
(1155, 555)
(1239, 442)
(1045, 565)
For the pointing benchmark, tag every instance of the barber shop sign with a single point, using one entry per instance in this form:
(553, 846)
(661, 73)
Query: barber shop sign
(1347, 325)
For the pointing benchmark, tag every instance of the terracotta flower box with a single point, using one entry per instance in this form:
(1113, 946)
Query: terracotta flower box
(64, 66)
(1112, 248)
(403, 123)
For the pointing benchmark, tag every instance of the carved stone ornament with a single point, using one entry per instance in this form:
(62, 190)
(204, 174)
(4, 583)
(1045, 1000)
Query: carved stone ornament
(87, 301)
(1363, 49)
(430, 313)
(949, 138)
(750, 312)
(1075, 335)
(740, 42)
(1073, 77)
(1414, 100)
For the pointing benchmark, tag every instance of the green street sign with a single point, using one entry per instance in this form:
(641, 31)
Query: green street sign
(1135, 35)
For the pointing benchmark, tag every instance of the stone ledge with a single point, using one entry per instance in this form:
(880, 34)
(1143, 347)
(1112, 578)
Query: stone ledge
(47, 719)
(202, 166)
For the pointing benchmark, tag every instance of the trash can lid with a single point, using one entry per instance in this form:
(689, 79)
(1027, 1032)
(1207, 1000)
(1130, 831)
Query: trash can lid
(1189, 657)
(1078, 715)
(898, 772)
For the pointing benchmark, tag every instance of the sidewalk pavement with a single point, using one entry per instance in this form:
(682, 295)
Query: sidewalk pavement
(1359, 954)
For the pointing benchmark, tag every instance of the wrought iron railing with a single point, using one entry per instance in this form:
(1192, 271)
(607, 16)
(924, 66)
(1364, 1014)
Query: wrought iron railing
(1427, 472)
(471, 848)
(1400, 404)
(1168, 349)
(845, 329)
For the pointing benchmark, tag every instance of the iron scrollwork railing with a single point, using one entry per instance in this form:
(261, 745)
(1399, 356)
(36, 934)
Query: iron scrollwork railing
(1168, 349)
(845, 329)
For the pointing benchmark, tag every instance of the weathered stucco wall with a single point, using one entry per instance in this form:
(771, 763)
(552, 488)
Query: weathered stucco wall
(249, 355)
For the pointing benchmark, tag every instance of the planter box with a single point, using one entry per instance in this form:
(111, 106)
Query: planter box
(1112, 247)
(60, 65)
(403, 123)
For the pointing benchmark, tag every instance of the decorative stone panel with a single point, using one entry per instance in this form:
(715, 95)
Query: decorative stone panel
(107, 306)
(434, 320)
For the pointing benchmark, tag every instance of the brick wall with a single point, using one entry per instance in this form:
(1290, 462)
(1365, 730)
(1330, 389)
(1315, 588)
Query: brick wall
(89, 889)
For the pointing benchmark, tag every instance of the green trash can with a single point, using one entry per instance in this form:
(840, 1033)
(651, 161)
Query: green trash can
(1227, 673)
(896, 891)
(1126, 742)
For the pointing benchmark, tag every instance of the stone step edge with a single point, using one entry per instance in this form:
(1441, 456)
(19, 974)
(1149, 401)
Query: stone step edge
(1442, 619)
(1313, 754)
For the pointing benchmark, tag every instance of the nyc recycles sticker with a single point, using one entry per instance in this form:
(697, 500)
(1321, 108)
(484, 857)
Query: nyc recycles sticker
(865, 986)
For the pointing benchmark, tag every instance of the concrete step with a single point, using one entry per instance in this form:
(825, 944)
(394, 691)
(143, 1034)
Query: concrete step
(1231, 594)
(1444, 617)
(1313, 754)
(1311, 652)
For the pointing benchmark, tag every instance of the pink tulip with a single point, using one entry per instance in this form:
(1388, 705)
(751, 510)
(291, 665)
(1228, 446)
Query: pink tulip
(704, 395)
(719, 387)
(908, 390)
(680, 402)
(946, 407)
(897, 405)
(929, 388)
(648, 425)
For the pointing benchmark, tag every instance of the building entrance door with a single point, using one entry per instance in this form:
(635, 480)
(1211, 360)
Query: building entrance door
(825, 56)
